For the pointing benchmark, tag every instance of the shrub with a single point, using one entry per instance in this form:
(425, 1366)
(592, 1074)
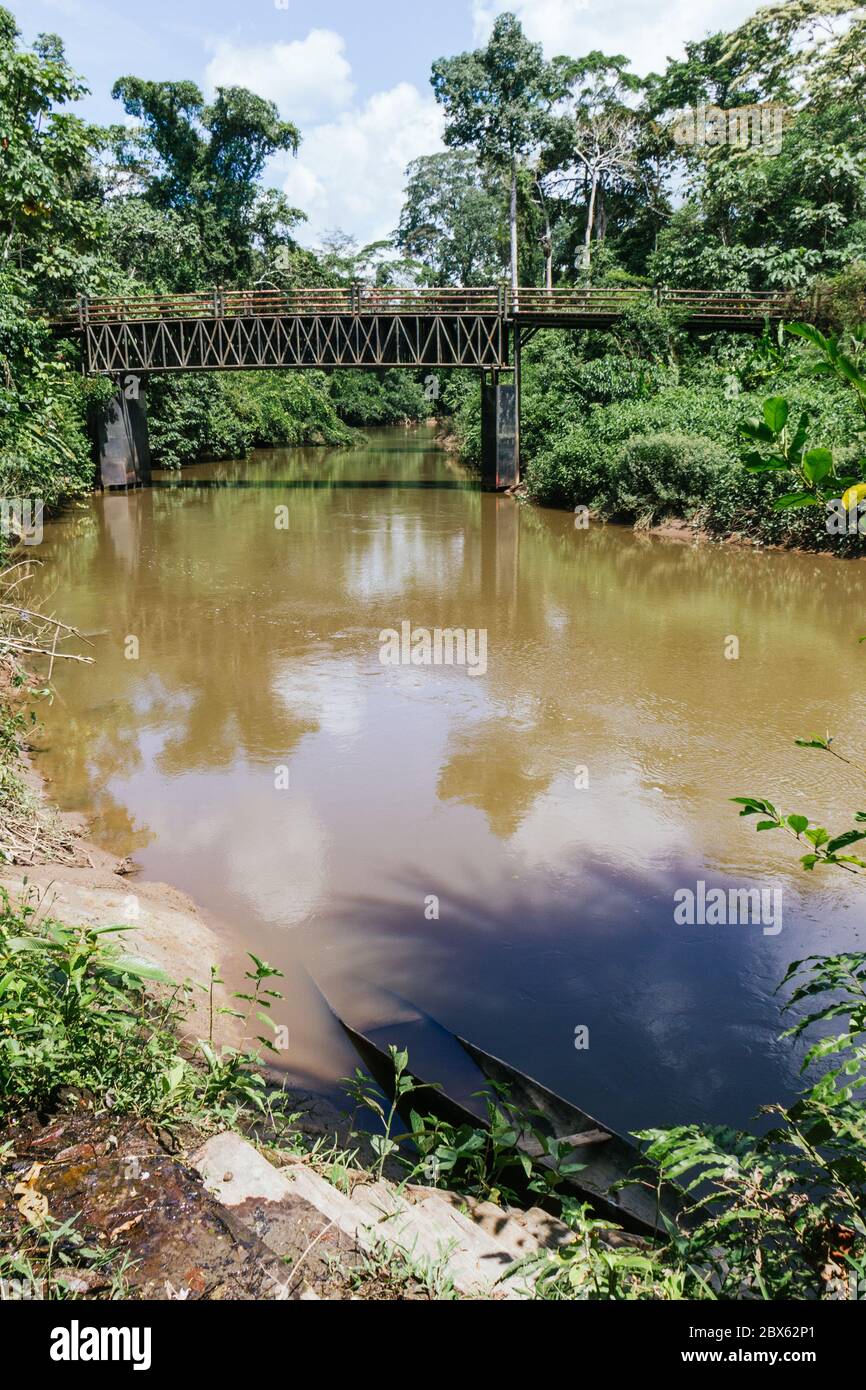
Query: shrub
(574, 469)
(844, 296)
(224, 415)
(44, 448)
(579, 465)
(664, 474)
(75, 1010)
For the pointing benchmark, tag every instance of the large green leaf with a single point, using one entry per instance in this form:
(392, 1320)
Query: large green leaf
(817, 463)
(776, 413)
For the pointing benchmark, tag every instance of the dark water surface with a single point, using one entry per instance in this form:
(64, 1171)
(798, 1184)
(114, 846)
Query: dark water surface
(259, 651)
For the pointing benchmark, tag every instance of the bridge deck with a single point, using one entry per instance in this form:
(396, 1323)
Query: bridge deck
(362, 327)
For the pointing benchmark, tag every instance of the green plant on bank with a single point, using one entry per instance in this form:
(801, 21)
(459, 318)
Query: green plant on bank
(501, 1162)
(75, 1011)
(783, 445)
(599, 1264)
(663, 474)
(366, 1095)
(386, 1273)
(775, 1215)
(43, 1253)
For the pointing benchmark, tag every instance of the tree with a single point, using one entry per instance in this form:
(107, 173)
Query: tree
(594, 140)
(49, 214)
(203, 161)
(451, 221)
(779, 215)
(497, 101)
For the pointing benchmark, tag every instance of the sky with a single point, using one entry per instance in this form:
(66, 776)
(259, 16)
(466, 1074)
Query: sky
(354, 75)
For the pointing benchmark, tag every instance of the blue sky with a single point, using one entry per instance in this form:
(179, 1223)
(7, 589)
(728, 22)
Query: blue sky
(353, 74)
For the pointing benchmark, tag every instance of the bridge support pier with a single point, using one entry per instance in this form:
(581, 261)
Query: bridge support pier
(500, 466)
(120, 439)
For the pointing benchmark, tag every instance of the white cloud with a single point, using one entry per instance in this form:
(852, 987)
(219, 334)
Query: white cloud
(308, 78)
(647, 33)
(350, 172)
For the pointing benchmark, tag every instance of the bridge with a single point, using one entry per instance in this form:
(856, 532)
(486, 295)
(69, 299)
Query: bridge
(367, 328)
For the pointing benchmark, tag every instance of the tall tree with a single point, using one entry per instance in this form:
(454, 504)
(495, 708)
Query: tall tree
(451, 221)
(204, 161)
(594, 140)
(497, 101)
(49, 211)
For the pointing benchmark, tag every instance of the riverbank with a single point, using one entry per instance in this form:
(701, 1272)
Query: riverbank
(647, 426)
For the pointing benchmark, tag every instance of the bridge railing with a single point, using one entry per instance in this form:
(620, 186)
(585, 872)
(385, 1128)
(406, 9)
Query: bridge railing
(748, 303)
(711, 305)
(575, 300)
(222, 303)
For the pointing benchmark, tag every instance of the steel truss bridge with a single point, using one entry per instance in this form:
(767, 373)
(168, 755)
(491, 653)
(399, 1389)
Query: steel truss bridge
(248, 330)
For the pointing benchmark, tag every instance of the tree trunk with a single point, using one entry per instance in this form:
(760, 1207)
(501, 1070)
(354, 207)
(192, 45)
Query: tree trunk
(513, 228)
(600, 216)
(590, 216)
(547, 239)
(548, 253)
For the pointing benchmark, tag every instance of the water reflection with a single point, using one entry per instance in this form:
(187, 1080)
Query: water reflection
(259, 651)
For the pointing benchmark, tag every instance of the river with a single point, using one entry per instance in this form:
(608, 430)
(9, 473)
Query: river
(251, 747)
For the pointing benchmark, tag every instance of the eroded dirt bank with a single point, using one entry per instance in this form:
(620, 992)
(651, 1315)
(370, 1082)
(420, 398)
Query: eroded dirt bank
(76, 882)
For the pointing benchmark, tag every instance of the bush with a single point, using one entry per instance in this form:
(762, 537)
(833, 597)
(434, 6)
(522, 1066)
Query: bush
(844, 296)
(224, 415)
(579, 466)
(75, 1014)
(76, 1011)
(44, 449)
(659, 475)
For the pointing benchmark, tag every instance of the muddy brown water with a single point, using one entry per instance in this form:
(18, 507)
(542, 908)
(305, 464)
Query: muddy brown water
(257, 592)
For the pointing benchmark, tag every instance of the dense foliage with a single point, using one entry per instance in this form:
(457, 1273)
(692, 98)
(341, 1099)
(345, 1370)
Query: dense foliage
(171, 200)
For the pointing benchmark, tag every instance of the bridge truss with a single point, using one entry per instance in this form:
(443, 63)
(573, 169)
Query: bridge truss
(245, 330)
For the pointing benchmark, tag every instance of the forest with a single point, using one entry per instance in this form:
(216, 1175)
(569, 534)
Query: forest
(741, 166)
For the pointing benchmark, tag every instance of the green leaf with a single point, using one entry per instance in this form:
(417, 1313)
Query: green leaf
(807, 331)
(797, 823)
(776, 413)
(800, 433)
(817, 836)
(795, 499)
(849, 838)
(817, 464)
(849, 370)
(758, 430)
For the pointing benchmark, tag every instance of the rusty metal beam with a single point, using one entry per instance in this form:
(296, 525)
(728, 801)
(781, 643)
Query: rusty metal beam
(295, 341)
